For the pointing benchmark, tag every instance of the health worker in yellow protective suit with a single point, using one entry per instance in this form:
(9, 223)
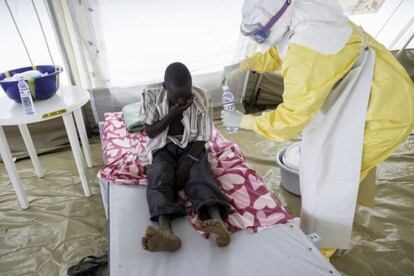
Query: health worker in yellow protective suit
(347, 94)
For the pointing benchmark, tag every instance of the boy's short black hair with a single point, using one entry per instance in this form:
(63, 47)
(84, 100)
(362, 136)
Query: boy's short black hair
(177, 74)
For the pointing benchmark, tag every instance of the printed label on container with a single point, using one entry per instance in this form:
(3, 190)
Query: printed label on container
(54, 113)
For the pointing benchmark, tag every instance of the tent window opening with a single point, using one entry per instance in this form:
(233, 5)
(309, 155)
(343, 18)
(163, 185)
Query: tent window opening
(141, 38)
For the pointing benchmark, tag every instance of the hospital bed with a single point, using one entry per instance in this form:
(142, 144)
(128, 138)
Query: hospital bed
(279, 250)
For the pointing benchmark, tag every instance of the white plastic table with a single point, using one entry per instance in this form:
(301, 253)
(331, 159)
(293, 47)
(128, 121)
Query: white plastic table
(67, 101)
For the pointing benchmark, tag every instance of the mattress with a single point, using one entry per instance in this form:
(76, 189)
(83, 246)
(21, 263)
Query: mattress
(281, 250)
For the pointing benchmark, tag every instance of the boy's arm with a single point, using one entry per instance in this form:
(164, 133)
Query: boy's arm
(152, 130)
(193, 155)
(156, 128)
(204, 127)
(196, 150)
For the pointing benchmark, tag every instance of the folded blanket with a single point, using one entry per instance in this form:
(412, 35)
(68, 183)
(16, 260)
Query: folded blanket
(133, 120)
(252, 205)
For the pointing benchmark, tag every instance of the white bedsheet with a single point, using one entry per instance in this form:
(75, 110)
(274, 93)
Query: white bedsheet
(282, 250)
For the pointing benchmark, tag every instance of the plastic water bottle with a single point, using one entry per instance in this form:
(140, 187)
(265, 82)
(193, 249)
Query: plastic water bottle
(229, 104)
(26, 97)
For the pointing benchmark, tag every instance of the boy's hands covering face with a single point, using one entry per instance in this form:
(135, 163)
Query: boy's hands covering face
(179, 107)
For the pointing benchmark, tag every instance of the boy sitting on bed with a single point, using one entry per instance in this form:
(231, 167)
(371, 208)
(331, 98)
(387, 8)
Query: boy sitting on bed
(178, 121)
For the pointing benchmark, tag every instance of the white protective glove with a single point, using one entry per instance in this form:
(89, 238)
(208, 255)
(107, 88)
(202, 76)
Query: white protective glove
(231, 119)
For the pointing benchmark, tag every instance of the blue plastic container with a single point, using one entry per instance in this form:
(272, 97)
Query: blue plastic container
(41, 88)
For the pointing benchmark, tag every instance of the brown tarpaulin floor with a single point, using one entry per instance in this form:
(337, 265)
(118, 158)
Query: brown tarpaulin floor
(62, 225)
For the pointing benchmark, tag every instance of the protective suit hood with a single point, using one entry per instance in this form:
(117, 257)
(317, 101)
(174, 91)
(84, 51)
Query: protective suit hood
(316, 24)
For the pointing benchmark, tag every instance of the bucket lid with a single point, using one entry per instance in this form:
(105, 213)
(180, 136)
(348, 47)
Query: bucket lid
(291, 157)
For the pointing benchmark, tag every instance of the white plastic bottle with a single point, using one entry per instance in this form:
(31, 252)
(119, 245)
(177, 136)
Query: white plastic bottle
(229, 104)
(26, 97)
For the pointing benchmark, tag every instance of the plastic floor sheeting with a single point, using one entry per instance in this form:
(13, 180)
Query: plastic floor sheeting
(62, 225)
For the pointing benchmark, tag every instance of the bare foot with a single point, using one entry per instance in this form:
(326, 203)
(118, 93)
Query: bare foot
(159, 240)
(217, 228)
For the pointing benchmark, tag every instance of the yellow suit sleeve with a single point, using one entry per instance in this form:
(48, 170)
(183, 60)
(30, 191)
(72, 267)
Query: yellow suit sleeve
(309, 77)
(268, 61)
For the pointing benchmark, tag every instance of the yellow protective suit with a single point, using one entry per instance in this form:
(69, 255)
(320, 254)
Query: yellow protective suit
(309, 76)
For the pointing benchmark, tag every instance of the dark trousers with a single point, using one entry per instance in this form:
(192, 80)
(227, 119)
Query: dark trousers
(201, 188)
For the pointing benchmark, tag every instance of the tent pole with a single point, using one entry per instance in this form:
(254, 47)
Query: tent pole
(43, 33)
(405, 45)
(61, 44)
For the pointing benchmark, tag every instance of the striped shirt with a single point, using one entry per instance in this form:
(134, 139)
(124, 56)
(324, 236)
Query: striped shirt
(197, 119)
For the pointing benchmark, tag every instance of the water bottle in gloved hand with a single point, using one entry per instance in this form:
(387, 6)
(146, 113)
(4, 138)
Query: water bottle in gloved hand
(229, 104)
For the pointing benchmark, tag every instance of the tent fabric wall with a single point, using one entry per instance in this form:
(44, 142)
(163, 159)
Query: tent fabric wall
(77, 22)
(45, 135)
(51, 134)
(112, 99)
(85, 52)
(142, 38)
(267, 94)
(69, 41)
(85, 16)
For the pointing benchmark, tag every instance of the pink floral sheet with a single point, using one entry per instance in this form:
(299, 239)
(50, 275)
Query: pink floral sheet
(252, 205)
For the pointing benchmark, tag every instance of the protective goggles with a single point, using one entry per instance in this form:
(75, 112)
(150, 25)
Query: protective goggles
(257, 31)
